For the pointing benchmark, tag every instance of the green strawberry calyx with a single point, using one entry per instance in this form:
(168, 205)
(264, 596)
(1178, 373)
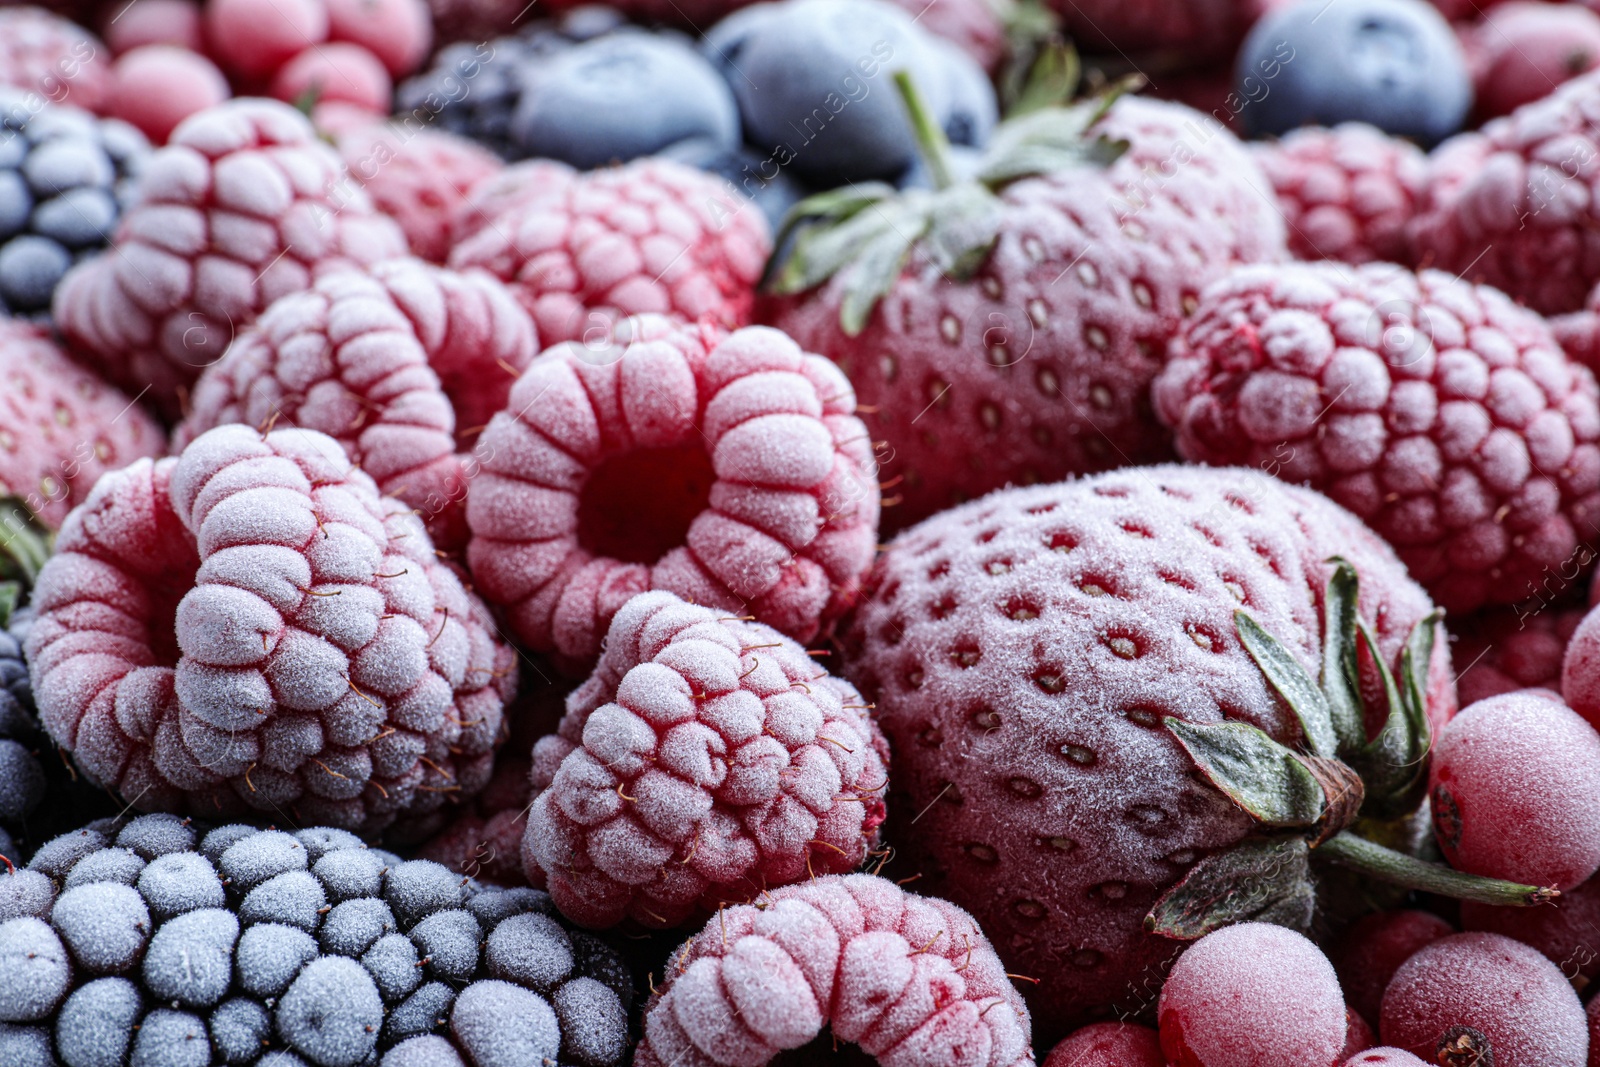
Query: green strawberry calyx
(1330, 796)
(25, 545)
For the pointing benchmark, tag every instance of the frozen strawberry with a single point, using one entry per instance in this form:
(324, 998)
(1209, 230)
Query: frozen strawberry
(61, 427)
(653, 237)
(1511, 782)
(1439, 412)
(1507, 991)
(174, 22)
(157, 86)
(398, 32)
(1252, 994)
(60, 60)
(911, 980)
(728, 469)
(1374, 948)
(243, 206)
(253, 38)
(1123, 1044)
(250, 627)
(417, 176)
(1510, 202)
(1567, 931)
(1507, 649)
(394, 364)
(1015, 341)
(1523, 51)
(1020, 651)
(335, 71)
(1347, 192)
(706, 760)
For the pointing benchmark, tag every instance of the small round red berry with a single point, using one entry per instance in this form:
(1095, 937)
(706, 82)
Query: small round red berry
(1374, 948)
(1108, 1045)
(398, 32)
(253, 38)
(157, 86)
(335, 71)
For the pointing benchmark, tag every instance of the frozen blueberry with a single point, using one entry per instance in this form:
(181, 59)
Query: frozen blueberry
(239, 1029)
(178, 882)
(532, 950)
(758, 177)
(620, 97)
(269, 956)
(25, 1046)
(419, 888)
(1393, 63)
(429, 1050)
(448, 940)
(423, 1012)
(30, 268)
(723, 44)
(21, 782)
(191, 957)
(294, 898)
(157, 835)
(252, 860)
(34, 962)
(107, 865)
(59, 164)
(25, 892)
(168, 1038)
(352, 927)
(350, 873)
(321, 840)
(594, 1024)
(394, 965)
(332, 1012)
(95, 1025)
(105, 924)
(504, 1025)
(77, 218)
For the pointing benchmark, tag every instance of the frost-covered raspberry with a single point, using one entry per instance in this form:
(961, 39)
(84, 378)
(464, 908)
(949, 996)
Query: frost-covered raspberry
(1251, 994)
(1439, 412)
(1503, 650)
(61, 427)
(651, 237)
(401, 364)
(1121, 1044)
(729, 469)
(1502, 988)
(911, 980)
(44, 53)
(705, 760)
(1374, 948)
(1567, 930)
(1346, 192)
(242, 206)
(418, 177)
(250, 627)
(241, 946)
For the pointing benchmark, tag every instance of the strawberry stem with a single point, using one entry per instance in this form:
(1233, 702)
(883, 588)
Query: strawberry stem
(1397, 868)
(931, 142)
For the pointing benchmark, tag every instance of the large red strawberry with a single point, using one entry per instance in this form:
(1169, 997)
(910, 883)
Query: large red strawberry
(1007, 329)
(1068, 675)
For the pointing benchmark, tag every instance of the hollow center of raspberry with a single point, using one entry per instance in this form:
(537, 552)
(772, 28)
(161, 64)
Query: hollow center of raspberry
(637, 506)
(166, 590)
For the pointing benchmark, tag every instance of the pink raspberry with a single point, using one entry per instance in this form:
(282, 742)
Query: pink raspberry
(398, 32)
(729, 469)
(652, 237)
(1579, 331)
(1121, 1044)
(60, 60)
(1347, 193)
(174, 22)
(335, 71)
(419, 177)
(515, 186)
(253, 38)
(250, 627)
(706, 760)
(61, 428)
(1511, 784)
(1502, 988)
(395, 363)
(1522, 51)
(1439, 412)
(157, 86)
(911, 980)
(485, 841)
(1504, 650)
(1567, 931)
(243, 206)
(1374, 948)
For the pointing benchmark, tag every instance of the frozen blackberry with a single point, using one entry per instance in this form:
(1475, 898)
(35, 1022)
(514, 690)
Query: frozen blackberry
(65, 176)
(215, 955)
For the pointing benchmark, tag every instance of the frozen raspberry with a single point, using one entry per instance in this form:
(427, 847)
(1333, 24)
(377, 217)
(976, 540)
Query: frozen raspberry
(1503, 650)
(1021, 650)
(911, 980)
(44, 53)
(1439, 412)
(253, 38)
(243, 206)
(414, 955)
(515, 186)
(174, 22)
(418, 177)
(729, 469)
(1522, 52)
(1566, 930)
(1511, 202)
(157, 86)
(1502, 988)
(398, 32)
(394, 363)
(650, 237)
(658, 798)
(1511, 781)
(61, 428)
(1252, 994)
(1385, 1057)
(283, 640)
(335, 71)
(1109, 1045)
(1347, 193)
(1374, 948)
